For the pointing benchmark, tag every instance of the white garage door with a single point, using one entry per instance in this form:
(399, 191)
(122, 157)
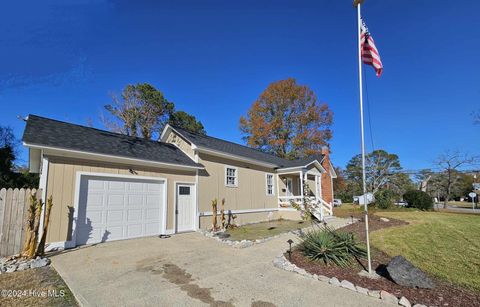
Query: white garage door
(118, 208)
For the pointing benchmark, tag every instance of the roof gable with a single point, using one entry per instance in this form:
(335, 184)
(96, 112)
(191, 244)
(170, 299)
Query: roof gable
(205, 142)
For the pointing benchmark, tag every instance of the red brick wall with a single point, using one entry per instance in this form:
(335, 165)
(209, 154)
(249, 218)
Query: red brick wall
(327, 188)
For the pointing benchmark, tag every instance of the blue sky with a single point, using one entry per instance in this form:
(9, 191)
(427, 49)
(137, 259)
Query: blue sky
(214, 58)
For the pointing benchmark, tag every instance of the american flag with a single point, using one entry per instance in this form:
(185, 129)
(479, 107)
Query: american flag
(370, 55)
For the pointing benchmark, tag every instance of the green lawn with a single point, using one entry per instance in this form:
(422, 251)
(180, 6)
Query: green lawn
(446, 245)
(264, 229)
(346, 210)
(461, 204)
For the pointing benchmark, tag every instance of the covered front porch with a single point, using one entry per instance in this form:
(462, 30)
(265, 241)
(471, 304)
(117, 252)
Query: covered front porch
(298, 185)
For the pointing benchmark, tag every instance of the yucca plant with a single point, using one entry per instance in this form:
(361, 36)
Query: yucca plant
(329, 246)
(355, 248)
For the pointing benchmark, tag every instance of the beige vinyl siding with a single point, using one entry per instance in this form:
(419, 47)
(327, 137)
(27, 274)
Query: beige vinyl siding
(295, 184)
(311, 186)
(250, 193)
(61, 185)
(241, 218)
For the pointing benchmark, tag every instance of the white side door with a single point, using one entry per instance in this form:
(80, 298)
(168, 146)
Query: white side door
(186, 210)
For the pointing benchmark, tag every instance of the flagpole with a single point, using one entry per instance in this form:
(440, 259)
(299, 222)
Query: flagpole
(359, 17)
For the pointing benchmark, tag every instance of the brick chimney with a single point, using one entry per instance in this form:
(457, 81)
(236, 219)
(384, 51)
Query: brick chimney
(327, 183)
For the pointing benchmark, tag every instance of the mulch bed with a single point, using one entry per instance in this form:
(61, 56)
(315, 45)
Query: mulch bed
(445, 294)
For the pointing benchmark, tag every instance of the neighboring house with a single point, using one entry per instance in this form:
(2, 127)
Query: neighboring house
(109, 186)
(360, 200)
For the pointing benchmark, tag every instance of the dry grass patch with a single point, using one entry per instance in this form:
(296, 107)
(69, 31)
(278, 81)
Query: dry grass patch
(264, 229)
(41, 279)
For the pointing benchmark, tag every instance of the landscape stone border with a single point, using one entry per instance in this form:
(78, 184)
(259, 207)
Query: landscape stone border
(15, 263)
(248, 243)
(282, 263)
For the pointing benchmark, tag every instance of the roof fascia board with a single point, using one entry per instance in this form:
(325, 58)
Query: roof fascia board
(333, 173)
(234, 157)
(318, 164)
(108, 158)
(164, 132)
(292, 170)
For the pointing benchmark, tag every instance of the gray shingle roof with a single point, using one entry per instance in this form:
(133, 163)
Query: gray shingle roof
(216, 144)
(52, 133)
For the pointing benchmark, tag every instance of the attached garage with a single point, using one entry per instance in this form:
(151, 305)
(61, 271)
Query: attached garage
(108, 186)
(119, 207)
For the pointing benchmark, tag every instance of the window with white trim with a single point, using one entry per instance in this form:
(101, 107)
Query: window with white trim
(231, 176)
(269, 181)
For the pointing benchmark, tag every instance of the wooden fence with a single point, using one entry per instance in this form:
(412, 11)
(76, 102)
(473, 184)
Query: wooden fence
(13, 212)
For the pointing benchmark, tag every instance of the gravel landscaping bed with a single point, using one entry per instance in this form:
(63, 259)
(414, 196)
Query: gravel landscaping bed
(445, 294)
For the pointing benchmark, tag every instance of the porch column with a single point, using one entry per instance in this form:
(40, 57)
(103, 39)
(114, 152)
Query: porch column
(301, 183)
(278, 191)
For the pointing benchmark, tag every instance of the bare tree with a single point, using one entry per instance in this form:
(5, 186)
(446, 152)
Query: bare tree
(423, 177)
(449, 163)
(141, 110)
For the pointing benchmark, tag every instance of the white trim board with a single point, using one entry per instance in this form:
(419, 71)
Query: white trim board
(43, 185)
(210, 213)
(78, 178)
(197, 221)
(288, 209)
(63, 152)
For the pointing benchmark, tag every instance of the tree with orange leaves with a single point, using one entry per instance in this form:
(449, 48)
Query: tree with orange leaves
(287, 120)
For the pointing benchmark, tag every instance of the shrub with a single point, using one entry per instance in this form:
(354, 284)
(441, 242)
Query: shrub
(384, 199)
(329, 246)
(418, 199)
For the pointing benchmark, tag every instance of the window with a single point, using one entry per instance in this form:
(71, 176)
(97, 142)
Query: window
(231, 176)
(270, 184)
(182, 190)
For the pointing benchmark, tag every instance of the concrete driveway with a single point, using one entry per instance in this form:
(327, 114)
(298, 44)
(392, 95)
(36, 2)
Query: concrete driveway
(192, 270)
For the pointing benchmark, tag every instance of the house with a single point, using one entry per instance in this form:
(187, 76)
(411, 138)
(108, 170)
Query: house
(108, 186)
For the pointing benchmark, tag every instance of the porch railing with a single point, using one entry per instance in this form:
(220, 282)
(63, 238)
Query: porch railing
(321, 207)
(286, 201)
